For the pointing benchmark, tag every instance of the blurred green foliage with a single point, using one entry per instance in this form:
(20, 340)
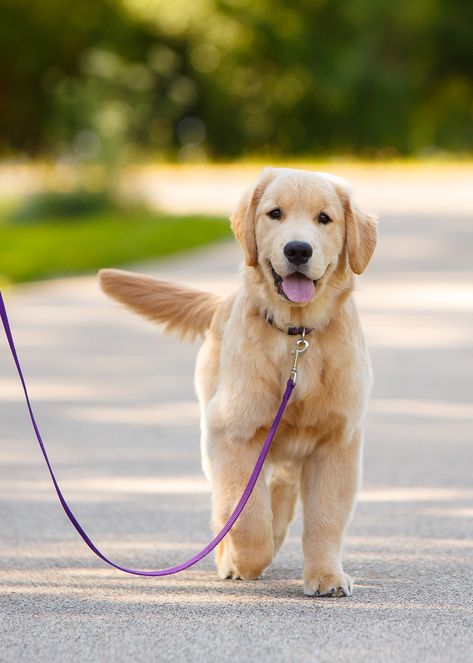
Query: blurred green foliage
(109, 80)
(61, 205)
(55, 247)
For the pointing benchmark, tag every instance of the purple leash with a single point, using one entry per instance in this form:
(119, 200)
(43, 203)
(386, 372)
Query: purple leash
(301, 347)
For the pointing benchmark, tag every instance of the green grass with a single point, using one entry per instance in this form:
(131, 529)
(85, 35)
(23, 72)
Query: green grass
(52, 247)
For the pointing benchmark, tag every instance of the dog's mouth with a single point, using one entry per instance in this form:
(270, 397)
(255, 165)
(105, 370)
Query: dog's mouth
(295, 287)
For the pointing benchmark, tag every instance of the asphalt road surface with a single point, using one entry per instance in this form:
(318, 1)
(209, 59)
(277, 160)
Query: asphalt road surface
(115, 402)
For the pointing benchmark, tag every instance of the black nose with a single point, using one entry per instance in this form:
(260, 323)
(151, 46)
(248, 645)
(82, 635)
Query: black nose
(298, 252)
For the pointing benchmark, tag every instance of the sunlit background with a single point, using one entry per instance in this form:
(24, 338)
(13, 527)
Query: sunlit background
(90, 89)
(224, 79)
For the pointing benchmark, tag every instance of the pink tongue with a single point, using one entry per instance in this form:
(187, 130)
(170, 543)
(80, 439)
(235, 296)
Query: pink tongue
(298, 288)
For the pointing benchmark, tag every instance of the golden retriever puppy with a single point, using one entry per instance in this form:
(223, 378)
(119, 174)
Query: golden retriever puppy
(304, 239)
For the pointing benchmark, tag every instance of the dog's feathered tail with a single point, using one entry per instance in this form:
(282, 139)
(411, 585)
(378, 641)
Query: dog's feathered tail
(180, 308)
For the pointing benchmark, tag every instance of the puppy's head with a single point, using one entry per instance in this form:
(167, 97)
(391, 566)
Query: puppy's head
(295, 226)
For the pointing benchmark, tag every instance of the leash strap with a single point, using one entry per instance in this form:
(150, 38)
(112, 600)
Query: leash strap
(233, 517)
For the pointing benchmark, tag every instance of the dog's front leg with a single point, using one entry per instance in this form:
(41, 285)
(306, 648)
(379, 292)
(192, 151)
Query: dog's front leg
(248, 549)
(330, 478)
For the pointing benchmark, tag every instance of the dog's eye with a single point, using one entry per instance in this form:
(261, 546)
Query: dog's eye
(275, 213)
(324, 218)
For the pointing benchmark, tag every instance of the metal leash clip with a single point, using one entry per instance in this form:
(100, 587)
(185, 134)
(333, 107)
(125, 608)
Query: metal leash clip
(301, 346)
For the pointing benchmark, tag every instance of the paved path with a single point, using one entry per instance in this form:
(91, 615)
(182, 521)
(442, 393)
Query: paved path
(115, 402)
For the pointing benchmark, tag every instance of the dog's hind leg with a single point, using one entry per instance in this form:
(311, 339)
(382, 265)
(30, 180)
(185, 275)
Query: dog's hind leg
(284, 496)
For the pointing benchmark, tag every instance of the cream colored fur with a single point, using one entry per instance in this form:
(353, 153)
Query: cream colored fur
(185, 310)
(244, 363)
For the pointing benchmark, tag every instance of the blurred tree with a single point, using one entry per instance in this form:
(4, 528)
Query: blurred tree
(79, 77)
(97, 79)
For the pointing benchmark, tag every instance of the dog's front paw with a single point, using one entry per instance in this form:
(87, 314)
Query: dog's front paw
(225, 566)
(328, 584)
(229, 573)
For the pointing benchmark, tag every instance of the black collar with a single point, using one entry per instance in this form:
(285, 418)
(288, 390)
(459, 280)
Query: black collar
(290, 331)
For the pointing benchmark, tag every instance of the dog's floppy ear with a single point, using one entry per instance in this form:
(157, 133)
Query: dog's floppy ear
(361, 231)
(243, 220)
(362, 235)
